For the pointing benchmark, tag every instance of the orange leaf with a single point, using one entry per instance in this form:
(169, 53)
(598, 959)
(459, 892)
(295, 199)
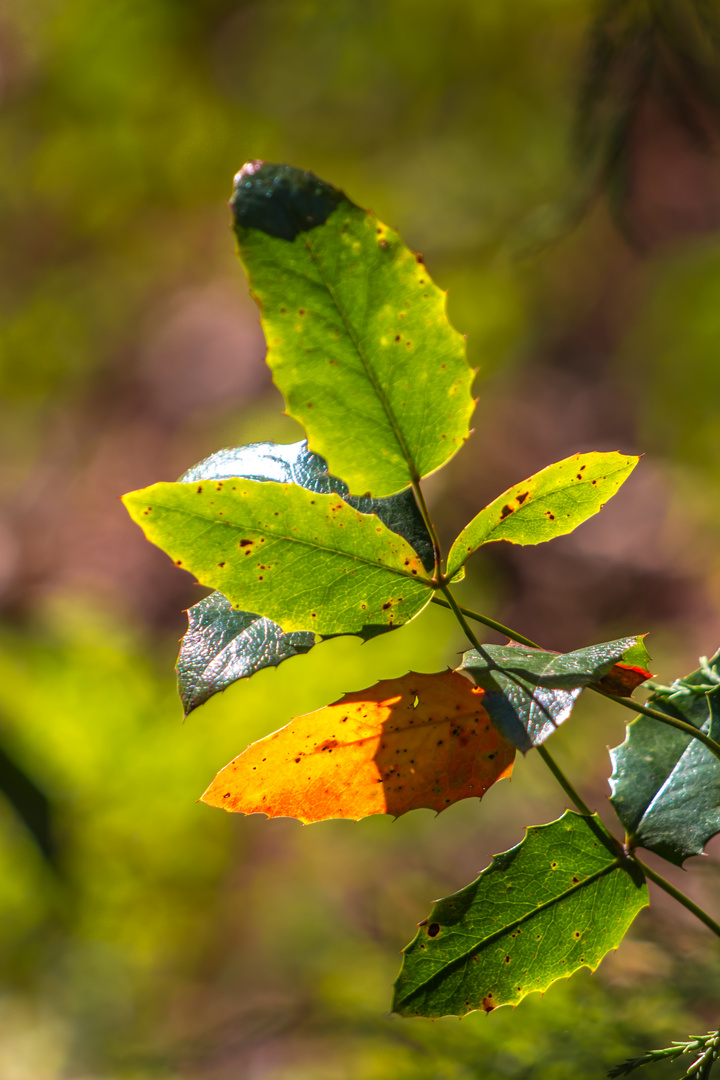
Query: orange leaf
(422, 740)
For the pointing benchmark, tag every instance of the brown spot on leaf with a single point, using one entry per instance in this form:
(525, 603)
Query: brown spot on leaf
(244, 543)
(433, 929)
(506, 511)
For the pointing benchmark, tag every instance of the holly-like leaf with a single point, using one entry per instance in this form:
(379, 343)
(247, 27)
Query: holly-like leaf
(665, 784)
(418, 741)
(557, 902)
(223, 644)
(530, 692)
(305, 560)
(358, 338)
(551, 503)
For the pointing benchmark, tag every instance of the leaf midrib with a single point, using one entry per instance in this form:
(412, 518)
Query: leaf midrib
(497, 934)
(376, 385)
(314, 546)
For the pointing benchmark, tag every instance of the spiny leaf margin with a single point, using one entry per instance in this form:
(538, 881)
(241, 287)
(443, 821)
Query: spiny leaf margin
(573, 898)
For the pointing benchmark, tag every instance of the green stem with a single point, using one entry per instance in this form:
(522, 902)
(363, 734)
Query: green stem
(492, 624)
(459, 615)
(627, 703)
(679, 896)
(563, 781)
(565, 784)
(429, 525)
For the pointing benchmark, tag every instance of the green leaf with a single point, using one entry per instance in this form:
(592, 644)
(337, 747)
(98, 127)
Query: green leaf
(358, 339)
(551, 503)
(530, 692)
(665, 784)
(223, 644)
(557, 902)
(306, 560)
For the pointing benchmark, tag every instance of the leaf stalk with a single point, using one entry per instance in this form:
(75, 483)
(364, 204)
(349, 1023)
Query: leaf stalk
(681, 898)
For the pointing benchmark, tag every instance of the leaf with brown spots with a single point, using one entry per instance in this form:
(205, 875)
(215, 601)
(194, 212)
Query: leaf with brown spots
(418, 741)
(557, 902)
(359, 341)
(304, 559)
(551, 503)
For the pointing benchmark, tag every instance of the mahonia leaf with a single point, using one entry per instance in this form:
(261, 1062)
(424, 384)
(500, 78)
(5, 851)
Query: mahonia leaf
(530, 692)
(551, 503)
(665, 784)
(306, 560)
(223, 644)
(358, 339)
(559, 901)
(294, 463)
(418, 741)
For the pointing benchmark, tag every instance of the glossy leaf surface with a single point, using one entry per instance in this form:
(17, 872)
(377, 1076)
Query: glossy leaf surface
(557, 902)
(665, 784)
(551, 503)
(418, 741)
(530, 692)
(358, 338)
(306, 560)
(223, 644)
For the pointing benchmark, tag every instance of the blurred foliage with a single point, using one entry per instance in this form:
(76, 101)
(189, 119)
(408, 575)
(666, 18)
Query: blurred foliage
(173, 943)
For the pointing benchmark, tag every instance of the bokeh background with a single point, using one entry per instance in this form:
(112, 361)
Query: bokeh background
(558, 164)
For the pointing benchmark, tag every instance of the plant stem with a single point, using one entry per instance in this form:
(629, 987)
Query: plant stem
(459, 615)
(679, 896)
(565, 784)
(429, 525)
(563, 781)
(492, 624)
(627, 703)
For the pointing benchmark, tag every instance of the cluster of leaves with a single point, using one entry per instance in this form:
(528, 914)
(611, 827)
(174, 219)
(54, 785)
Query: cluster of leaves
(360, 346)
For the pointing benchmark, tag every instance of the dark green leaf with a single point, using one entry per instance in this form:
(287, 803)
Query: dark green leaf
(551, 503)
(306, 560)
(665, 784)
(223, 644)
(358, 339)
(557, 902)
(530, 692)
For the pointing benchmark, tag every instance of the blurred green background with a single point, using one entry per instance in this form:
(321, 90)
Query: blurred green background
(169, 941)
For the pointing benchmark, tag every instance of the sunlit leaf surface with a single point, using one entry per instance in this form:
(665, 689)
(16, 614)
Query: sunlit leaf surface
(549, 504)
(307, 561)
(223, 644)
(557, 902)
(418, 741)
(358, 338)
